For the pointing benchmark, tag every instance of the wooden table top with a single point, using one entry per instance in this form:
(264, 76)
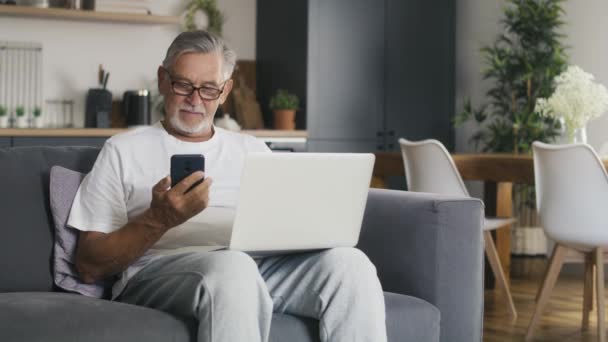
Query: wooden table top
(494, 167)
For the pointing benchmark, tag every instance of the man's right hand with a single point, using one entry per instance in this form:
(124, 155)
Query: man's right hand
(171, 207)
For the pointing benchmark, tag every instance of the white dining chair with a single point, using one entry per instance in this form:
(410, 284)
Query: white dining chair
(430, 168)
(571, 198)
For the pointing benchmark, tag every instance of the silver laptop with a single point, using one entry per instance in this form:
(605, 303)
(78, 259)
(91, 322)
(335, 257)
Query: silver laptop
(291, 202)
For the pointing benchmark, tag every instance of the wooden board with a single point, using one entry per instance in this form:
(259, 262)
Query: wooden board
(82, 15)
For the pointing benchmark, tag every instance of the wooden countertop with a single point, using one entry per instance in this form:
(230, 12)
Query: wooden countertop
(106, 132)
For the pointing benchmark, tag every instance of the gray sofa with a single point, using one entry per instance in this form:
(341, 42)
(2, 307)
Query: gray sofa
(427, 249)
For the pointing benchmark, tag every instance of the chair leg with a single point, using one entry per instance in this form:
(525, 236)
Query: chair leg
(498, 272)
(542, 284)
(588, 289)
(599, 268)
(555, 265)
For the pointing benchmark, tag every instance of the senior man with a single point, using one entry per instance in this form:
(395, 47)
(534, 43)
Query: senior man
(136, 226)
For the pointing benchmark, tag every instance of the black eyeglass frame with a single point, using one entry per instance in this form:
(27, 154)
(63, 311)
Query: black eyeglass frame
(197, 89)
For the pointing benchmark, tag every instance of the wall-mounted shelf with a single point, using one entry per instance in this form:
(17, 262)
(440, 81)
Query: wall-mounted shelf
(81, 15)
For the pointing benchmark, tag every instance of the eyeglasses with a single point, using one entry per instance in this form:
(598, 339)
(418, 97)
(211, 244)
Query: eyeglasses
(187, 89)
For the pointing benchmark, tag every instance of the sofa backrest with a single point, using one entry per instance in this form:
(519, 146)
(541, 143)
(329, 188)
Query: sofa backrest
(26, 222)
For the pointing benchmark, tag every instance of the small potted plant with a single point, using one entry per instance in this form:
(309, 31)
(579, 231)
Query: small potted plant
(37, 119)
(21, 119)
(284, 105)
(3, 117)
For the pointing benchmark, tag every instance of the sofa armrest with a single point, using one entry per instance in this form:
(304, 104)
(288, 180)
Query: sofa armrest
(430, 246)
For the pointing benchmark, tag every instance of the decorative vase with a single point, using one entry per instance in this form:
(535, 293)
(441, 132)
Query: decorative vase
(577, 135)
(21, 122)
(284, 119)
(580, 135)
(37, 122)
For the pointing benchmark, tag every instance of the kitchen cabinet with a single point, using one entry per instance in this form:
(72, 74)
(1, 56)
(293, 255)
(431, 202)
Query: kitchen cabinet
(339, 146)
(295, 141)
(367, 71)
(5, 142)
(58, 141)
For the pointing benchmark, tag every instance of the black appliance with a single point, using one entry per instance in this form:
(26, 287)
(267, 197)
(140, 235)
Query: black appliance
(136, 107)
(98, 108)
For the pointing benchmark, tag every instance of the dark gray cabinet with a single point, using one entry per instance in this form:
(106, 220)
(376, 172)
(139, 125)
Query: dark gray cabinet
(419, 71)
(368, 71)
(5, 142)
(351, 146)
(345, 70)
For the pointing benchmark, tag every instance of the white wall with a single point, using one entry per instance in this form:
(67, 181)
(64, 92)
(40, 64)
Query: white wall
(478, 23)
(72, 50)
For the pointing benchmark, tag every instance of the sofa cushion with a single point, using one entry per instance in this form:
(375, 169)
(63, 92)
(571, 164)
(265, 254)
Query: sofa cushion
(64, 184)
(408, 319)
(26, 226)
(49, 317)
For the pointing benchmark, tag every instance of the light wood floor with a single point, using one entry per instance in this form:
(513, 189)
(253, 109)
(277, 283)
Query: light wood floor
(561, 320)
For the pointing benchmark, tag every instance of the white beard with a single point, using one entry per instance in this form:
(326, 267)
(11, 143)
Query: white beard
(184, 128)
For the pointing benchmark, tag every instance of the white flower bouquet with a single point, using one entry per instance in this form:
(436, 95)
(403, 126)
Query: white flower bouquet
(576, 100)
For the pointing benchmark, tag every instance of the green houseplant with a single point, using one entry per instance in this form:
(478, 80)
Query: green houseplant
(20, 117)
(284, 106)
(3, 117)
(37, 117)
(522, 64)
(215, 18)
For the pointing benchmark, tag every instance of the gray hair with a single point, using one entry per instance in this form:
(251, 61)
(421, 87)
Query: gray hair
(201, 42)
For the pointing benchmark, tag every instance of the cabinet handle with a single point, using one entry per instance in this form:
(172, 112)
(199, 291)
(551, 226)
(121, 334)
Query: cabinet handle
(379, 134)
(380, 148)
(391, 133)
(390, 146)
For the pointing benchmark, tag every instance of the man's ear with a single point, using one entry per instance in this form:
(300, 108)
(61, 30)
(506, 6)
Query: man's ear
(161, 74)
(227, 89)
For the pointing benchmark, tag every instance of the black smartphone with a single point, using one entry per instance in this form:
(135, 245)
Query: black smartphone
(183, 165)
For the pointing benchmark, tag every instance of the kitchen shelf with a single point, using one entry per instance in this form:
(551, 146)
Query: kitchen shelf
(82, 15)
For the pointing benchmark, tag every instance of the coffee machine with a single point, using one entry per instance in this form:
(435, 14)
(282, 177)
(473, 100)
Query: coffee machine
(98, 108)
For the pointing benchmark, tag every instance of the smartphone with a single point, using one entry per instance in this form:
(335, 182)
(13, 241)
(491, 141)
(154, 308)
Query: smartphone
(183, 165)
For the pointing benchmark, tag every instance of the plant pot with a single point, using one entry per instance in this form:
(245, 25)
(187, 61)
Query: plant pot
(285, 119)
(37, 122)
(21, 122)
(4, 122)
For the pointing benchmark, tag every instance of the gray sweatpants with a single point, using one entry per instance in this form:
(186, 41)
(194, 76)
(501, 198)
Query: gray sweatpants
(233, 296)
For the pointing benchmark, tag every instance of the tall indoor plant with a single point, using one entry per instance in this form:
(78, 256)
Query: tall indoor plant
(522, 63)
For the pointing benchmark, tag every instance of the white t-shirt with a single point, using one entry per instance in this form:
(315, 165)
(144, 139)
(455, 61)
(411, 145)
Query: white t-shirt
(119, 188)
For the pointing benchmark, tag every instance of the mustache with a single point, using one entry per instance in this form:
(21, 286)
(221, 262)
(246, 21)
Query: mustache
(195, 109)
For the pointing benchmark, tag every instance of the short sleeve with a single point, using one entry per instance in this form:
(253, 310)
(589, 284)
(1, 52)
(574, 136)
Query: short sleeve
(100, 204)
(256, 145)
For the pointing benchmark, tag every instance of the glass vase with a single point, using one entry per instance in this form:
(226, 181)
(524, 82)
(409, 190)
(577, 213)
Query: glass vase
(579, 135)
